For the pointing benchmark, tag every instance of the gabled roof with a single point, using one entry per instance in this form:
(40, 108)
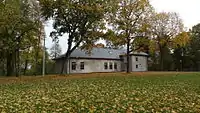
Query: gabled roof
(101, 53)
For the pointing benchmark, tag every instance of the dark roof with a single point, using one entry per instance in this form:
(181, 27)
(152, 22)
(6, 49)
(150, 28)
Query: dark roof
(104, 53)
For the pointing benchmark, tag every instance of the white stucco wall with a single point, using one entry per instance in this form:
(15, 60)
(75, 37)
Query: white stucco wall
(91, 65)
(142, 63)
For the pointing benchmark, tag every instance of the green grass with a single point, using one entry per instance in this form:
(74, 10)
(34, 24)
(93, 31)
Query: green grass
(170, 94)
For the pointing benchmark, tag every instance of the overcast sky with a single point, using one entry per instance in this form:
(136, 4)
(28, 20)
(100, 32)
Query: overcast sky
(189, 11)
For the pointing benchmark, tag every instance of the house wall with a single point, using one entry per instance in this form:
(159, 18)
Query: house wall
(141, 63)
(90, 65)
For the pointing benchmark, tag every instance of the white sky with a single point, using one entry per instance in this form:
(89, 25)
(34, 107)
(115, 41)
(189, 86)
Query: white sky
(189, 11)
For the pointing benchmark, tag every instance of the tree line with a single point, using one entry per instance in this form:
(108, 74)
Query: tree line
(21, 35)
(130, 24)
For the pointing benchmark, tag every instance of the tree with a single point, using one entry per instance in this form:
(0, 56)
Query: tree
(180, 42)
(19, 26)
(194, 47)
(164, 28)
(128, 23)
(55, 50)
(80, 20)
(33, 68)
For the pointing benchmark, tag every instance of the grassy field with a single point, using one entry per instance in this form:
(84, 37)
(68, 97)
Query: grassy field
(137, 92)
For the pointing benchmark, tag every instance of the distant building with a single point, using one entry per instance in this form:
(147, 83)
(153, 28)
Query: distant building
(102, 60)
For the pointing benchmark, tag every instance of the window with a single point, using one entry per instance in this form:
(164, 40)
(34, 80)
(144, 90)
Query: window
(105, 65)
(82, 66)
(73, 65)
(115, 65)
(110, 65)
(136, 58)
(136, 66)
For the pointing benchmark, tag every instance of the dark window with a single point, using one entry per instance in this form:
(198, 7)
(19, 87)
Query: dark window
(105, 65)
(136, 58)
(115, 65)
(136, 66)
(82, 66)
(73, 65)
(111, 65)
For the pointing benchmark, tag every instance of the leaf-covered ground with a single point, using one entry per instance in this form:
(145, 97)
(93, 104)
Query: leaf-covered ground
(170, 94)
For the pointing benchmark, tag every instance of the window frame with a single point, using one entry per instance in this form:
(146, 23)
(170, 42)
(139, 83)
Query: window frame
(110, 65)
(73, 66)
(136, 58)
(82, 65)
(106, 65)
(136, 66)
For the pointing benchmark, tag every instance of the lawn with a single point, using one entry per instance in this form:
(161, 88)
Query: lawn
(137, 92)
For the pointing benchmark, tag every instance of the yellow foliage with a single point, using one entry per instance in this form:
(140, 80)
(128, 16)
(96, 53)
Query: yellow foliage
(181, 39)
(152, 46)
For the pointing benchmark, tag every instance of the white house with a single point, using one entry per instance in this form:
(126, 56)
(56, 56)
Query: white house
(102, 60)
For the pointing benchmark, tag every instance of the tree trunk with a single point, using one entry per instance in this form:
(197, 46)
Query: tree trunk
(3, 67)
(17, 61)
(37, 53)
(36, 57)
(9, 64)
(4, 70)
(66, 59)
(25, 67)
(128, 55)
(69, 51)
(36, 63)
(161, 59)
